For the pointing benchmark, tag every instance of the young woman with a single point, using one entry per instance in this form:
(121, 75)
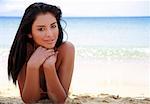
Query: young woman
(39, 59)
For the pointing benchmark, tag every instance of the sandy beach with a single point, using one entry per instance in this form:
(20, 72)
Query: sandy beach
(11, 96)
(85, 99)
(87, 90)
(95, 81)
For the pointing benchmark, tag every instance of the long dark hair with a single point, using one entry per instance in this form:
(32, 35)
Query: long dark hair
(18, 51)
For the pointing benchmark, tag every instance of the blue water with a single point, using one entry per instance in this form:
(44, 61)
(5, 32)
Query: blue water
(112, 32)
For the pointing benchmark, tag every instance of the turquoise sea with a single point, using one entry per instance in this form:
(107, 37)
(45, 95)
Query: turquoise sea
(97, 37)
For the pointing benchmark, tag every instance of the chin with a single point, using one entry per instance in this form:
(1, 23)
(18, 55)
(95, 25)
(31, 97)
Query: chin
(50, 47)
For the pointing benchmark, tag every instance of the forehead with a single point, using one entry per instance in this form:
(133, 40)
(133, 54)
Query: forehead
(45, 19)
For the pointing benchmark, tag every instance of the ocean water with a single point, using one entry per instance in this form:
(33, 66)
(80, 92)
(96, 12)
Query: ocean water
(110, 32)
(95, 36)
(109, 48)
(130, 32)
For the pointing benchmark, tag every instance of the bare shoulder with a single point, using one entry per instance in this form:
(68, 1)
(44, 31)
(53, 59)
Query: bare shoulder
(67, 47)
(66, 52)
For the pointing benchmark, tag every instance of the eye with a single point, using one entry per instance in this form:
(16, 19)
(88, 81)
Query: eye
(53, 26)
(41, 29)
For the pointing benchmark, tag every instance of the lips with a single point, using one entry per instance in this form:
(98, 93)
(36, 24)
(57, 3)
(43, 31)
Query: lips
(50, 41)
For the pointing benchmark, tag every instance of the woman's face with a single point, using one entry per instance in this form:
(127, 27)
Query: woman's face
(45, 30)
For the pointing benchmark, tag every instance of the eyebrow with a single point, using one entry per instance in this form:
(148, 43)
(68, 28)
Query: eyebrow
(44, 25)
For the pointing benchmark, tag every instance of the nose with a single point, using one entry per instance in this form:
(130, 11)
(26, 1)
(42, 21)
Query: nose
(49, 33)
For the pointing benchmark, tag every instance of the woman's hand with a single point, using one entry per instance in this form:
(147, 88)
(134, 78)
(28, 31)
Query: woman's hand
(51, 60)
(39, 56)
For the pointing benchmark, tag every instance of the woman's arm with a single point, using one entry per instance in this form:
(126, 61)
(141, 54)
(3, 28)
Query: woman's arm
(58, 83)
(28, 81)
(31, 90)
(28, 78)
(54, 87)
(65, 71)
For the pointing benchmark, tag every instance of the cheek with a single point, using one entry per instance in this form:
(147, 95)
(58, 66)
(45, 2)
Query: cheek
(37, 36)
(56, 32)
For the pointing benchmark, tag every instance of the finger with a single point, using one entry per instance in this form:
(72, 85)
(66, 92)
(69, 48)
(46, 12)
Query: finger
(50, 54)
(56, 53)
(41, 48)
(50, 50)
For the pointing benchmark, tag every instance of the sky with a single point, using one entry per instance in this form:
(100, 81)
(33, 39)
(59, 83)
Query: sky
(81, 8)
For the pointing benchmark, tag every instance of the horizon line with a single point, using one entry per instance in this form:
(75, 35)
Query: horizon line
(83, 16)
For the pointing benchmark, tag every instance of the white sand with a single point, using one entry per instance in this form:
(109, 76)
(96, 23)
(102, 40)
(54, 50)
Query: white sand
(123, 77)
(91, 78)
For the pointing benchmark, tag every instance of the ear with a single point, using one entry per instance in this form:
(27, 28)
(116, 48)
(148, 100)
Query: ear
(29, 35)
